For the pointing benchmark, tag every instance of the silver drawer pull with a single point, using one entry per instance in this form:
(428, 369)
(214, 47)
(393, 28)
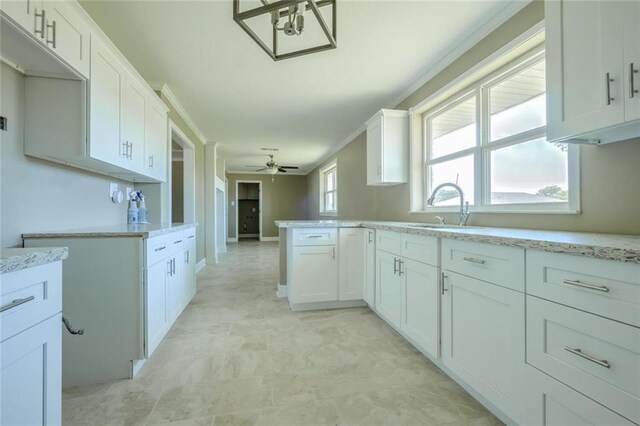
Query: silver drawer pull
(177, 242)
(191, 236)
(160, 248)
(474, 260)
(314, 236)
(16, 302)
(586, 285)
(601, 362)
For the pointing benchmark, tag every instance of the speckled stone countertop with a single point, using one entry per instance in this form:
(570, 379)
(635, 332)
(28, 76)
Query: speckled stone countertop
(148, 230)
(14, 259)
(622, 248)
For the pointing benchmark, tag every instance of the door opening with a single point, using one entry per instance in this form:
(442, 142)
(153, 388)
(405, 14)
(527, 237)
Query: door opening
(177, 182)
(249, 210)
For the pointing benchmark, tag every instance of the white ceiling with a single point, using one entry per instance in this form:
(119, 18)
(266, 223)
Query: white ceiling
(306, 106)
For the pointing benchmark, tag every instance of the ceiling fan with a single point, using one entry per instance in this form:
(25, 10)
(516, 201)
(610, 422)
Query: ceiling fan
(273, 168)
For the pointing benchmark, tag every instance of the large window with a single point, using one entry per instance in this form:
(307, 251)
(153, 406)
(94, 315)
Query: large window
(490, 139)
(329, 189)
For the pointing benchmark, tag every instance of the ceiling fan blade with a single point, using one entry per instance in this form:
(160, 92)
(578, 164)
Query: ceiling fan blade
(289, 167)
(262, 169)
(281, 170)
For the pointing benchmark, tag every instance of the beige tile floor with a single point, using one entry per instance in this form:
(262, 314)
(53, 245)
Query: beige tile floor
(238, 356)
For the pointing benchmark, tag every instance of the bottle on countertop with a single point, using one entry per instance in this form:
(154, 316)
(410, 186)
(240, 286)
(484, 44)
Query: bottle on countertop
(132, 212)
(142, 209)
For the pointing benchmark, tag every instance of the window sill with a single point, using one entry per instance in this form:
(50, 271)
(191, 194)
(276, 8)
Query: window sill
(334, 214)
(500, 210)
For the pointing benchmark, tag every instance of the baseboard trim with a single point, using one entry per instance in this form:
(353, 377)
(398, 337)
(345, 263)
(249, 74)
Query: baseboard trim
(232, 240)
(282, 291)
(200, 265)
(270, 239)
(327, 305)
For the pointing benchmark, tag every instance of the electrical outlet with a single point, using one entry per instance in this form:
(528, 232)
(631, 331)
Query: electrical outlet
(113, 187)
(129, 190)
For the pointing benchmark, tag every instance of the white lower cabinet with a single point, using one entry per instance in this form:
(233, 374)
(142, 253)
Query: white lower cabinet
(421, 305)
(31, 385)
(31, 346)
(157, 307)
(314, 274)
(369, 293)
(388, 288)
(189, 267)
(325, 268)
(350, 265)
(483, 339)
(551, 403)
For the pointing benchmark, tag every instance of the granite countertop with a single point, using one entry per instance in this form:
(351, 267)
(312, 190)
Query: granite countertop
(148, 230)
(622, 248)
(14, 259)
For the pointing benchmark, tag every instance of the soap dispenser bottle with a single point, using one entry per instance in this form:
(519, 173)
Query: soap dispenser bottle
(132, 212)
(142, 209)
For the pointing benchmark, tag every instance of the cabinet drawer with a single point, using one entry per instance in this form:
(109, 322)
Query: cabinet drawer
(550, 403)
(29, 296)
(420, 248)
(596, 356)
(156, 249)
(499, 265)
(604, 287)
(190, 234)
(389, 241)
(176, 240)
(315, 236)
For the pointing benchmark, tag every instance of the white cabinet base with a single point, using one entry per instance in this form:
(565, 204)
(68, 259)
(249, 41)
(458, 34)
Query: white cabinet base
(314, 306)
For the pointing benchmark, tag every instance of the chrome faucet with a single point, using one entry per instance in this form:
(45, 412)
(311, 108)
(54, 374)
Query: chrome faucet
(464, 207)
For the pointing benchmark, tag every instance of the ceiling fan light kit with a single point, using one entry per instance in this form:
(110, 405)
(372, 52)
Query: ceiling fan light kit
(288, 17)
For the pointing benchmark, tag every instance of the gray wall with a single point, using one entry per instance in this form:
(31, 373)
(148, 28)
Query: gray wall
(38, 195)
(286, 198)
(610, 174)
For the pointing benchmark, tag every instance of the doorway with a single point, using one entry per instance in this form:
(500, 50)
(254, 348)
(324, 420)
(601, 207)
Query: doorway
(249, 210)
(182, 177)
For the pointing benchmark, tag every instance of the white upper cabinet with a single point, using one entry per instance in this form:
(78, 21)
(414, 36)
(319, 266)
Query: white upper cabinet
(106, 88)
(155, 141)
(67, 34)
(590, 46)
(388, 148)
(631, 44)
(134, 124)
(58, 25)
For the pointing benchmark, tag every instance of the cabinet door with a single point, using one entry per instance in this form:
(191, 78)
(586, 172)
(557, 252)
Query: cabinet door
(175, 287)
(421, 305)
(388, 288)
(483, 339)
(155, 141)
(632, 60)
(23, 12)
(157, 309)
(351, 264)
(134, 123)
(242, 191)
(106, 103)
(31, 385)
(67, 34)
(374, 153)
(370, 267)
(583, 46)
(551, 403)
(314, 274)
(253, 191)
(189, 271)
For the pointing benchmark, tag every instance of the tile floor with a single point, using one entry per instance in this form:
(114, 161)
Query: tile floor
(239, 356)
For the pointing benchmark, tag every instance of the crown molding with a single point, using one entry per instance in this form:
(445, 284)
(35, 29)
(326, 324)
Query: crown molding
(165, 90)
(471, 40)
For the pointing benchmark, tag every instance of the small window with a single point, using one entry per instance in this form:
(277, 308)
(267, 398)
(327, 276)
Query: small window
(329, 189)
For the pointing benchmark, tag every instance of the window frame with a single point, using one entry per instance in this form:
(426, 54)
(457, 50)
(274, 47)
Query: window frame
(481, 152)
(330, 167)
